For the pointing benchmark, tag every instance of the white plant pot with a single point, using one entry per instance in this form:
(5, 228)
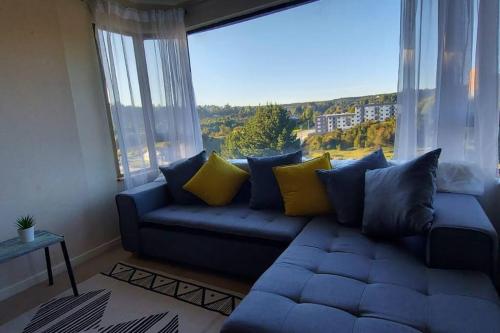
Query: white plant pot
(27, 235)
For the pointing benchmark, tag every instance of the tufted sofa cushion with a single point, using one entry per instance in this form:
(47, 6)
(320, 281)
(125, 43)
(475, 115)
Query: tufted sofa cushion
(334, 279)
(235, 219)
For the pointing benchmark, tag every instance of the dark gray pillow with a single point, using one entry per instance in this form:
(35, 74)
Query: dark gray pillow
(399, 199)
(346, 187)
(179, 173)
(265, 192)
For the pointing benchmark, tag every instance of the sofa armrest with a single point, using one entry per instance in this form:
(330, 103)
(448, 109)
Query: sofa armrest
(134, 203)
(461, 236)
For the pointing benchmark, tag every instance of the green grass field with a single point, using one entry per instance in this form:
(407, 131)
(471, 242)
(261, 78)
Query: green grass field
(352, 154)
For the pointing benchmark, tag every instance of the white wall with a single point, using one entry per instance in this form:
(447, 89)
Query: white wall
(56, 156)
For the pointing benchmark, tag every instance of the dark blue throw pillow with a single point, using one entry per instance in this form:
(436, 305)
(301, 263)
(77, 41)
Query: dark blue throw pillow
(399, 200)
(346, 187)
(179, 173)
(265, 190)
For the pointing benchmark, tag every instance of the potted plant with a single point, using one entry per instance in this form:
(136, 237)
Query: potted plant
(26, 228)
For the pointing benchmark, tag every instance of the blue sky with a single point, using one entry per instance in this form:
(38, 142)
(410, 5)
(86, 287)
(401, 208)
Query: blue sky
(318, 51)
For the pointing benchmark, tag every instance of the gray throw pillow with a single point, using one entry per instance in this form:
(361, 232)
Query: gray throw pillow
(399, 199)
(345, 187)
(179, 173)
(265, 192)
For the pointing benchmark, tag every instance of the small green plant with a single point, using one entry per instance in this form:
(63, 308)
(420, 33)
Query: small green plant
(25, 222)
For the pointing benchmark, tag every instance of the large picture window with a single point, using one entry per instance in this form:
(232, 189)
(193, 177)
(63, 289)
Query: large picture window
(318, 77)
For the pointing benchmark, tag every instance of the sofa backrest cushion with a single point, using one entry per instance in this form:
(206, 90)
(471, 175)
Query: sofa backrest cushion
(179, 173)
(346, 187)
(399, 199)
(217, 182)
(302, 191)
(265, 190)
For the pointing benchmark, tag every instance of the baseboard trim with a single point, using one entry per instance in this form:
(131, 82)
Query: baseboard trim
(56, 269)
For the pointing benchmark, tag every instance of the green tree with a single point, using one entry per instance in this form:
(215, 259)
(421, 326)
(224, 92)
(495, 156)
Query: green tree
(307, 117)
(269, 131)
(315, 142)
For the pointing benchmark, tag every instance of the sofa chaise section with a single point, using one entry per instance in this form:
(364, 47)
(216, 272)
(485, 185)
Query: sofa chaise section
(334, 279)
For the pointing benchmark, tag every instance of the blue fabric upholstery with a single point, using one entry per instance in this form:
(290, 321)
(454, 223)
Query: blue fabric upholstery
(461, 236)
(334, 279)
(346, 187)
(331, 278)
(244, 193)
(179, 173)
(235, 219)
(265, 190)
(246, 257)
(134, 203)
(399, 199)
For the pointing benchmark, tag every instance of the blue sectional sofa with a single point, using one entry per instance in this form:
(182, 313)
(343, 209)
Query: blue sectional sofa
(315, 275)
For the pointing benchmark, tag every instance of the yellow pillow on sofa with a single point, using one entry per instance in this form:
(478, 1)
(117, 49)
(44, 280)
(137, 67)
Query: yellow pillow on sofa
(217, 181)
(302, 191)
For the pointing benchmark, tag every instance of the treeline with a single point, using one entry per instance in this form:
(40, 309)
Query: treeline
(238, 131)
(365, 135)
(296, 109)
(271, 131)
(218, 121)
(221, 126)
(339, 105)
(215, 111)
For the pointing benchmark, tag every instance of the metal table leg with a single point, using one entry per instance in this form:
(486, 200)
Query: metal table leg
(49, 266)
(68, 268)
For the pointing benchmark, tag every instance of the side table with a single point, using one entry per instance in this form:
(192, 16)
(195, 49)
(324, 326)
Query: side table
(13, 248)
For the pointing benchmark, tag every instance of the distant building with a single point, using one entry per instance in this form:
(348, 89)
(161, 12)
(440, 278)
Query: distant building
(330, 122)
(378, 112)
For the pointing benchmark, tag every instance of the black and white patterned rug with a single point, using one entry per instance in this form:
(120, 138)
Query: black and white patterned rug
(131, 299)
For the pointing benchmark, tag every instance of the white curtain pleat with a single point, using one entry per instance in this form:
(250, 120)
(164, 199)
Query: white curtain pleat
(454, 67)
(145, 59)
(485, 90)
(448, 81)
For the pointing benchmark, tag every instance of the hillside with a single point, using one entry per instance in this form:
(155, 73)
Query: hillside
(218, 123)
(297, 109)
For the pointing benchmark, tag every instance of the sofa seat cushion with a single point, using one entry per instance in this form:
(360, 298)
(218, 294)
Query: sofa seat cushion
(235, 219)
(334, 279)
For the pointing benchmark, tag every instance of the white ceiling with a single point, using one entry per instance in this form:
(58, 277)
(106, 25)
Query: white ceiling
(200, 13)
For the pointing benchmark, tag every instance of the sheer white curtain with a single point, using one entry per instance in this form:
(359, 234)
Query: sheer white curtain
(145, 60)
(448, 85)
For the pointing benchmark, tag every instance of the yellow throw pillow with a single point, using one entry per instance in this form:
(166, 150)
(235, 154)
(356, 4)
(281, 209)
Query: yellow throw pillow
(217, 181)
(302, 191)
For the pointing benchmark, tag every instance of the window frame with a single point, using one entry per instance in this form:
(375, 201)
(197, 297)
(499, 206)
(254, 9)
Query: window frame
(146, 103)
(119, 173)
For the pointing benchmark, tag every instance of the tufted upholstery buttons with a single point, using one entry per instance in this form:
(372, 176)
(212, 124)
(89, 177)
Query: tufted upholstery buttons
(235, 219)
(334, 279)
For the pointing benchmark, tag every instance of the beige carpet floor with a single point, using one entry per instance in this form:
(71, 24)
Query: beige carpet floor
(129, 298)
(42, 293)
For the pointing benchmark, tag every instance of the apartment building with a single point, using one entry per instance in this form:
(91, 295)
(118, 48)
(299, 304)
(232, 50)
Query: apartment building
(372, 112)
